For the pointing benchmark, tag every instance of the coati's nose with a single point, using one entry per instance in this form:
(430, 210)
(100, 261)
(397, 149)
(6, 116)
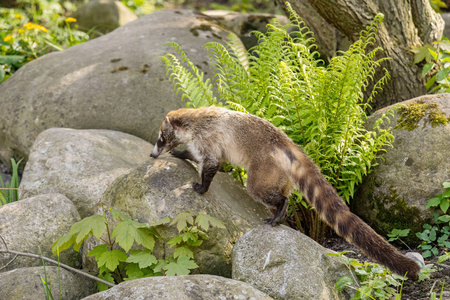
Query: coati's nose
(156, 152)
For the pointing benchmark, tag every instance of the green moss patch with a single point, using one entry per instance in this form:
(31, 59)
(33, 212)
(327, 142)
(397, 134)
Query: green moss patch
(411, 114)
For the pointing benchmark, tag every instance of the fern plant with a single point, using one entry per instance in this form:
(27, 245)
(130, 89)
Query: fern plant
(321, 108)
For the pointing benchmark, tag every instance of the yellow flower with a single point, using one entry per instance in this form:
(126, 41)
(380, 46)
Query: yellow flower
(7, 38)
(21, 31)
(70, 20)
(30, 26)
(18, 16)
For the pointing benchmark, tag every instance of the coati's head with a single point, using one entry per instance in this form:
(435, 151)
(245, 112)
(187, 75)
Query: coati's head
(167, 139)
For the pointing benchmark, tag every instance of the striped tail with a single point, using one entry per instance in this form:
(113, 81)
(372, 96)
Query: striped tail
(333, 210)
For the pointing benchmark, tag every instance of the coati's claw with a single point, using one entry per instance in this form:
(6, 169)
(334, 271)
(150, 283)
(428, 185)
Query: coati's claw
(198, 188)
(271, 222)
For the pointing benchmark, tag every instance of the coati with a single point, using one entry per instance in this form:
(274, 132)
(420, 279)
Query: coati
(275, 166)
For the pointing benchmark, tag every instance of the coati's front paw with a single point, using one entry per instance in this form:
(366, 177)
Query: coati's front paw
(273, 222)
(198, 188)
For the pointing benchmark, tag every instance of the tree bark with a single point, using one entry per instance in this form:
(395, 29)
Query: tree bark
(406, 23)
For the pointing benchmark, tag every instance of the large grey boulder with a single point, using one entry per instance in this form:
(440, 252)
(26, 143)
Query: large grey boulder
(103, 15)
(116, 81)
(243, 24)
(412, 172)
(286, 264)
(191, 287)
(162, 187)
(32, 225)
(26, 284)
(80, 164)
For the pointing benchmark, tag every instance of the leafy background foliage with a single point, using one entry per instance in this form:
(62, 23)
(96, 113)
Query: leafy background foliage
(321, 108)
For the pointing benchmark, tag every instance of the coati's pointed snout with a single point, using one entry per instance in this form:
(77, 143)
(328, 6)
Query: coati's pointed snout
(155, 153)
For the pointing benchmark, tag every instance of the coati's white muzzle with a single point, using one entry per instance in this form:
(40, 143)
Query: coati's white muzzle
(156, 152)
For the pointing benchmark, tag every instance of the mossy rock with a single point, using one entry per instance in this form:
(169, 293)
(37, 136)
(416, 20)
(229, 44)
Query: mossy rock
(412, 172)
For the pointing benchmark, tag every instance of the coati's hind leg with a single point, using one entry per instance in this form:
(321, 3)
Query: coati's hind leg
(269, 188)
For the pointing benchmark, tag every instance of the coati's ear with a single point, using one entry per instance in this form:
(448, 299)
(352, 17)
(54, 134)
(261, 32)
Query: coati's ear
(167, 125)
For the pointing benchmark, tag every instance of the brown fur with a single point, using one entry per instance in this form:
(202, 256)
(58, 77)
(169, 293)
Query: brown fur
(275, 166)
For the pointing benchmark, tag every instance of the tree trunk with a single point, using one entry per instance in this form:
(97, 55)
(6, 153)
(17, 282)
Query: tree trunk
(406, 23)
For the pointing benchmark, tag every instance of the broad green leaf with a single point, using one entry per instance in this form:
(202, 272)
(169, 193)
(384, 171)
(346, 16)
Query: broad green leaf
(422, 53)
(107, 277)
(378, 284)
(343, 282)
(145, 237)
(433, 202)
(182, 220)
(183, 251)
(94, 225)
(11, 59)
(426, 68)
(442, 75)
(111, 259)
(133, 271)
(182, 266)
(175, 241)
(98, 250)
(160, 266)
(63, 243)
(205, 221)
(189, 236)
(126, 233)
(163, 221)
(444, 218)
(444, 205)
(143, 258)
(446, 185)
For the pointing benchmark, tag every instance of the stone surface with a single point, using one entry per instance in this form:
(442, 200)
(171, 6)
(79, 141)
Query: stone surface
(191, 287)
(80, 164)
(103, 15)
(162, 187)
(26, 284)
(411, 173)
(242, 24)
(32, 225)
(286, 264)
(116, 81)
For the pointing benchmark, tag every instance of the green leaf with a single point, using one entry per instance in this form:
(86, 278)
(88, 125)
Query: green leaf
(343, 282)
(444, 218)
(133, 272)
(444, 205)
(163, 221)
(111, 259)
(95, 225)
(442, 75)
(433, 202)
(183, 251)
(107, 277)
(11, 59)
(182, 266)
(205, 221)
(175, 241)
(98, 250)
(182, 220)
(422, 53)
(143, 258)
(446, 185)
(145, 237)
(426, 68)
(126, 232)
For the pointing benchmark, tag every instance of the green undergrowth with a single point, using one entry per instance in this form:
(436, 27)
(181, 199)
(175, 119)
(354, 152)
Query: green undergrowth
(125, 251)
